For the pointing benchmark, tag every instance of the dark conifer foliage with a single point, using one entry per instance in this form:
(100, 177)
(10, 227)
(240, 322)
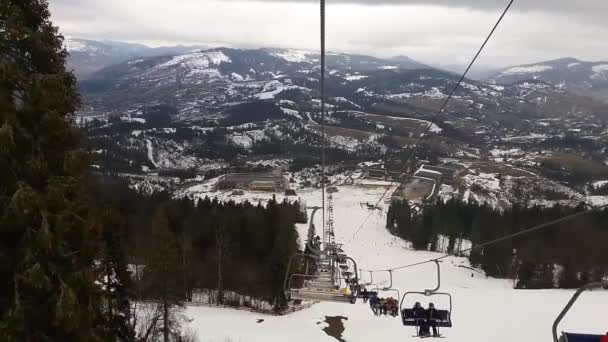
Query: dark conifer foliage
(117, 280)
(185, 245)
(48, 241)
(567, 256)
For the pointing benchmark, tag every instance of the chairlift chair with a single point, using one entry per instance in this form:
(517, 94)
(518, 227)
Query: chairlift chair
(388, 289)
(390, 285)
(324, 285)
(572, 337)
(371, 278)
(444, 317)
(367, 294)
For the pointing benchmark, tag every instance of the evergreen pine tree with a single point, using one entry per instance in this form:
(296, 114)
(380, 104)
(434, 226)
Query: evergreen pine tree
(117, 278)
(162, 274)
(48, 242)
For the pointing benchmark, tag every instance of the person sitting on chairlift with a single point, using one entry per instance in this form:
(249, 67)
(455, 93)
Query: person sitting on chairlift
(374, 303)
(393, 307)
(364, 294)
(421, 318)
(432, 318)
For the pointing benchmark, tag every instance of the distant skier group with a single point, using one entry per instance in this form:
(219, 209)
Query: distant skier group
(384, 306)
(379, 305)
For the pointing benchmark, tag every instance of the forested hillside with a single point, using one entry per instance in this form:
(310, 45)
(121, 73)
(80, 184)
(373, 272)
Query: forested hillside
(190, 245)
(568, 256)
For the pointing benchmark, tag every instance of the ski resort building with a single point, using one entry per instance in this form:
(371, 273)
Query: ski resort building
(377, 174)
(448, 173)
(423, 172)
(444, 173)
(253, 181)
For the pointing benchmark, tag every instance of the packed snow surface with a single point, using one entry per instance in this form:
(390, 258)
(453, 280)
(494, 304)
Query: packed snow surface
(600, 71)
(197, 60)
(600, 68)
(77, 45)
(599, 184)
(294, 56)
(150, 149)
(526, 137)
(355, 77)
(483, 308)
(527, 69)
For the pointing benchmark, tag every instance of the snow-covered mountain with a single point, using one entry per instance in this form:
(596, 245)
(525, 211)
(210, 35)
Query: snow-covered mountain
(87, 56)
(580, 76)
(223, 108)
(202, 83)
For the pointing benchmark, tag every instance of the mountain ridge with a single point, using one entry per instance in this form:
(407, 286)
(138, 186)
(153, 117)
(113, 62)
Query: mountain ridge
(583, 77)
(87, 56)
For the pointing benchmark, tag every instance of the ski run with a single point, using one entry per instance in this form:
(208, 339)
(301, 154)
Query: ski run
(483, 308)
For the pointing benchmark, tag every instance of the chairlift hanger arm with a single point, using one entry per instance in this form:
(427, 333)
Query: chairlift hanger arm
(431, 291)
(371, 277)
(390, 286)
(311, 236)
(588, 287)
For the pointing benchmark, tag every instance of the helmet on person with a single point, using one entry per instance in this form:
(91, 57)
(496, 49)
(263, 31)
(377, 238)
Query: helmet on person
(431, 306)
(417, 305)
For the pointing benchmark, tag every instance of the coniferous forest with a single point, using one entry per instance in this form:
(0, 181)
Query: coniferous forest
(84, 258)
(568, 255)
(204, 244)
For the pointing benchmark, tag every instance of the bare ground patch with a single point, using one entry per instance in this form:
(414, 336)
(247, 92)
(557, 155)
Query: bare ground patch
(335, 327)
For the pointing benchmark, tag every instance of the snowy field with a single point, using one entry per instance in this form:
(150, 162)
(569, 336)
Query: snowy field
(483, 308)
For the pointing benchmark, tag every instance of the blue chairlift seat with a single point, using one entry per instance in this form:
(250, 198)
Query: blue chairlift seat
(442, 320)
(367, 294)
(571, 337)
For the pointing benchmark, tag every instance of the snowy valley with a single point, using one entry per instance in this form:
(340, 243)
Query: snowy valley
(240, 125)
(178, 118)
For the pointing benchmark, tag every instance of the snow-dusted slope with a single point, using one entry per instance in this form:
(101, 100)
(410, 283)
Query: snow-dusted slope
(483, 308)
(87, 56)
(588, 77)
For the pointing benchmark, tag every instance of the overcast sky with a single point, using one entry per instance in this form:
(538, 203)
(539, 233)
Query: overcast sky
(439, 32)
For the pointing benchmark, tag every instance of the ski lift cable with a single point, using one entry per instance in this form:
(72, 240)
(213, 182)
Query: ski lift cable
(322, 84)
(441, 109)
(501, 239)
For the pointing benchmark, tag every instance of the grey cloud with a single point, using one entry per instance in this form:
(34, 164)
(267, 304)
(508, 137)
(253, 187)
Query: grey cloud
(448, 32)
(594, 8)
(541, 5)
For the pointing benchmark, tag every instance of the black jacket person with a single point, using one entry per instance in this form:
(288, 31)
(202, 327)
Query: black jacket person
(432, 317)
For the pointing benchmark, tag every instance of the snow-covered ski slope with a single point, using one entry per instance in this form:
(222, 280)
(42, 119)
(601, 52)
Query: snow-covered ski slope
(484, 308)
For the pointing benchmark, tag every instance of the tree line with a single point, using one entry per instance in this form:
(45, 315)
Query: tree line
(566, 255)
(164, 250)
